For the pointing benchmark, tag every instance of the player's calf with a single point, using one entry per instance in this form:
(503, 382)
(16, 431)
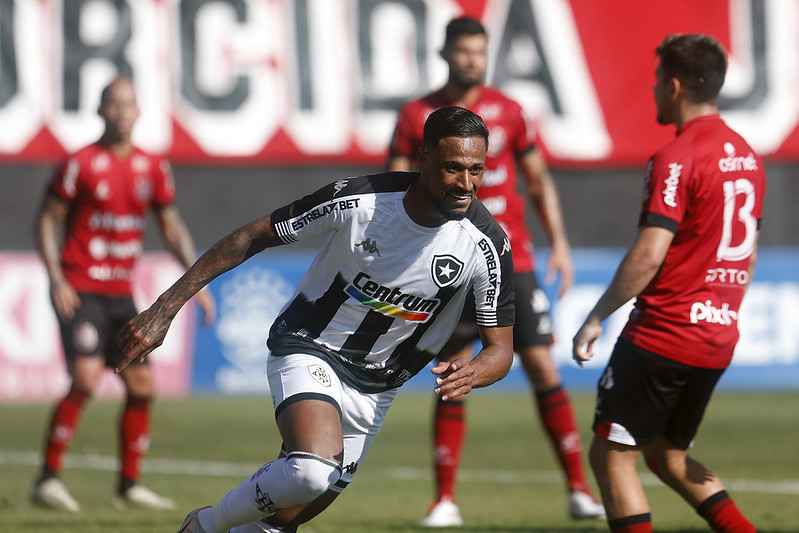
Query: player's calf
(296, 479)
(721, 513)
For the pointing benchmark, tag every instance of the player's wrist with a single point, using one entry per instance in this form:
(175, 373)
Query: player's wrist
(560, 245)
(167, 305)
(57, 281)
(594, 318)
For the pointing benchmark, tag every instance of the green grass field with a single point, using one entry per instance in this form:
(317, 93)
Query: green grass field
(508, 484)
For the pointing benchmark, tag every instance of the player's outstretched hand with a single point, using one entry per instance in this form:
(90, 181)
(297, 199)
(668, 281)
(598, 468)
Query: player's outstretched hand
(65, 299)
(583, 343)
(141, 335)
(207, 304)
(454, 378)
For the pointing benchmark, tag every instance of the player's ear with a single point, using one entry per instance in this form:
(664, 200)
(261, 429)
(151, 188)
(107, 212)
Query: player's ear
(676, 88)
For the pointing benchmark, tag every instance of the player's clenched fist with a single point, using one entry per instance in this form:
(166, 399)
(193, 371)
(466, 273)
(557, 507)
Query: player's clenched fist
(583, 342)
(455, 378)
(144, 333)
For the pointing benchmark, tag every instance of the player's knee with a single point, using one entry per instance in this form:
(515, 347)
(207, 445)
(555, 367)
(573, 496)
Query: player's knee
(667, 465)
(311, 474)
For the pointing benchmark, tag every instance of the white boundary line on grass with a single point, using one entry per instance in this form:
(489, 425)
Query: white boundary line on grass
(190, 467)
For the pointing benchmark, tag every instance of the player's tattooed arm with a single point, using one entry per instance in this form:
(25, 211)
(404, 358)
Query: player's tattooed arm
(638, 268)
(178, 241)
(457, 377)
(147, 330)
(49, 227)
(544, 196)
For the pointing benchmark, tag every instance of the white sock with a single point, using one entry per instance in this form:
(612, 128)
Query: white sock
(296, 479)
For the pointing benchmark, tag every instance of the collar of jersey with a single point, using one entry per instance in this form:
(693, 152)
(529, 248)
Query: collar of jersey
(697, 120)
(406, 218)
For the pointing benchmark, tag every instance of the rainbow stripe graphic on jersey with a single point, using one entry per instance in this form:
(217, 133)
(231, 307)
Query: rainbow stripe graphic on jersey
(391, 301)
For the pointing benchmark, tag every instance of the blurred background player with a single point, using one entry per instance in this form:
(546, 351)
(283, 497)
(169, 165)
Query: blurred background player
(98, 200)
(465, 51)
(689, 269)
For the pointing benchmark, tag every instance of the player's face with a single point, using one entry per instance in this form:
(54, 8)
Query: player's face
(120, 109)
(452, 173)
(663, 100)
(468, 59)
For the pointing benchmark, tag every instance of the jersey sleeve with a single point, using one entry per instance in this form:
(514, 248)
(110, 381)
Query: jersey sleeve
(492, 286)
(523, 137)
(404, 141)
(64, 182)
(666, 191)
(315, 214)
(163, 184)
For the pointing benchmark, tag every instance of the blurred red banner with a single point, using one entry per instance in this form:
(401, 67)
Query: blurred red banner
(319, 82)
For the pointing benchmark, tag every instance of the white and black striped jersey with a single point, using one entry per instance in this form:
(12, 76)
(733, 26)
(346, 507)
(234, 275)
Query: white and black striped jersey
(384, 294)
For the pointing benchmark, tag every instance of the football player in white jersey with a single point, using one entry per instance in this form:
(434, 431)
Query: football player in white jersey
(399, 253)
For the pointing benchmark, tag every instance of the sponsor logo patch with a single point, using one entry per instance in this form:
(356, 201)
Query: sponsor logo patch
(143, 189)
(710, 314)
(101, 163)
(391, 301)
(140, 164)
(734, 163)
(263, 502)
(368, 246)
(670, 190)
(102, 192)
(87, 338)
(491, 266)
(446, 269)
(505, 246)
(323, 210)
(339, 186)
(320, 375)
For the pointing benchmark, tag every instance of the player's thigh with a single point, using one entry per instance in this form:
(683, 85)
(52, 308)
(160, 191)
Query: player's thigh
(83, 337)
(690, 409)
(306, 393)
(540, 367)
(636, 395)
(605, 455)
(87, 372)
(363, 417)
(533, 325)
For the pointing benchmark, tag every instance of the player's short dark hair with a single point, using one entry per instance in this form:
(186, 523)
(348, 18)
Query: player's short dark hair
(697, 60)
(105, 95)
(460, 26)
(452, 122)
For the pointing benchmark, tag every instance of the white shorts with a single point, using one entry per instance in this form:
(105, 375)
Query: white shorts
(301, 376)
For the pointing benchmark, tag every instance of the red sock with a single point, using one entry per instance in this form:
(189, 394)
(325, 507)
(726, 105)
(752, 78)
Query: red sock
(449, 428)
(639, 523)
(723, 515)
(62, 427)
(134, 431)
(557, 417)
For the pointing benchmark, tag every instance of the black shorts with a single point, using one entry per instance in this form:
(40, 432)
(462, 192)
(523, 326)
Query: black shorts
(642, 395)
(532, 327)
(93, 329)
